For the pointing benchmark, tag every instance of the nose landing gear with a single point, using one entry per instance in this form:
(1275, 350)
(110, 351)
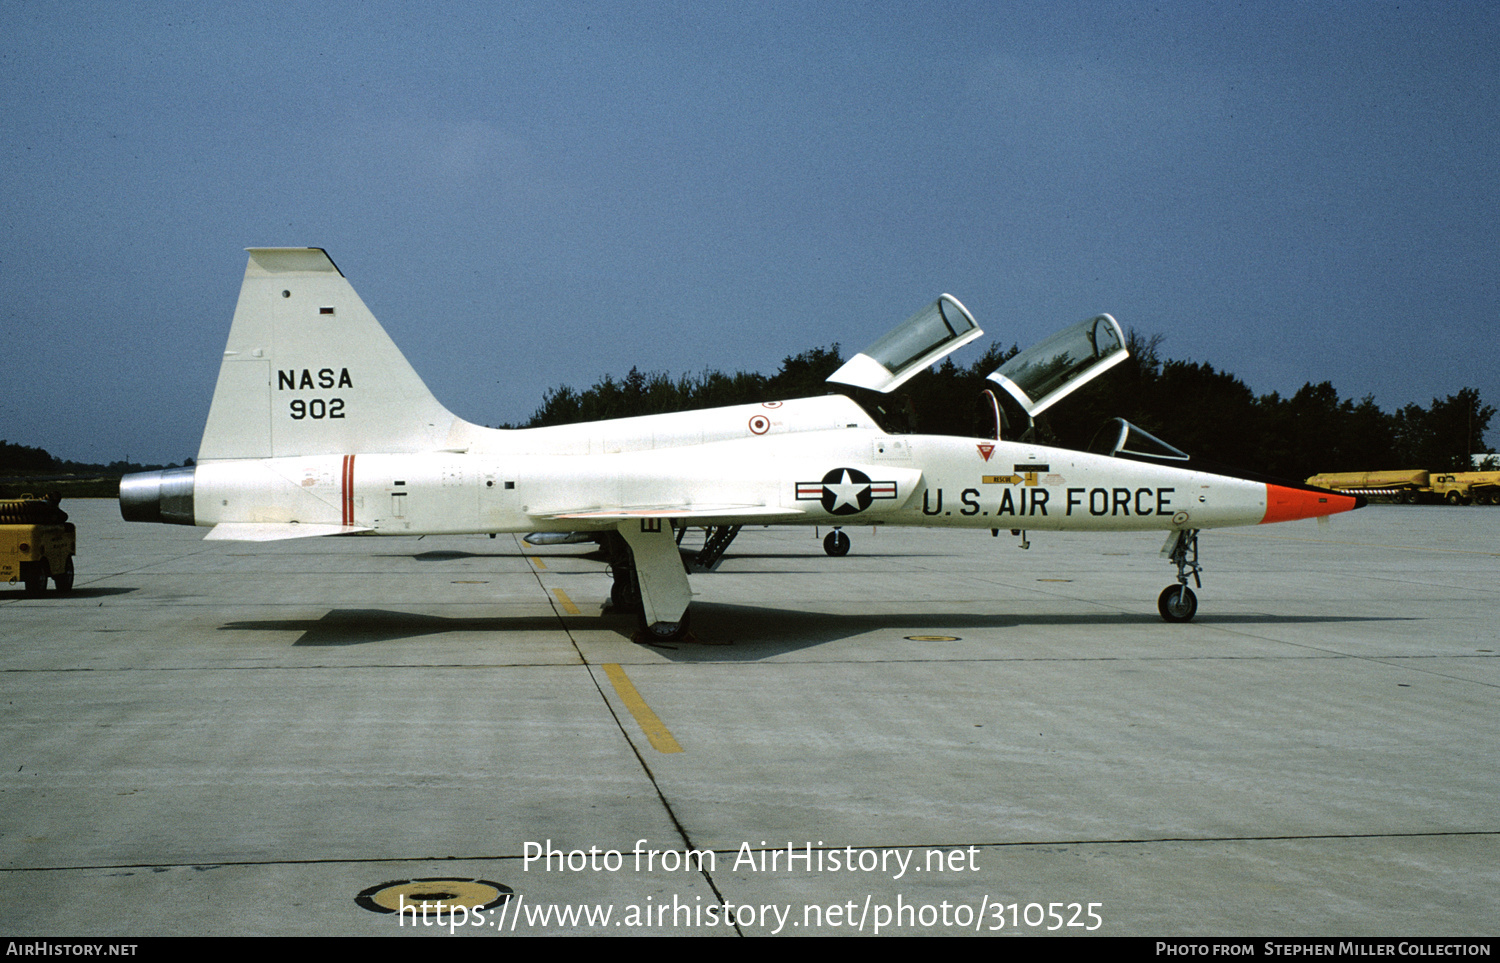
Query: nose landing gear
(1177, 603)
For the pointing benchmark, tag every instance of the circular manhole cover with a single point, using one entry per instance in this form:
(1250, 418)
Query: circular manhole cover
(440, 893)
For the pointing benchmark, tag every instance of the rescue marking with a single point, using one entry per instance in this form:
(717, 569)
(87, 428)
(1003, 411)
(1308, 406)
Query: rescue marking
(565, 602)
(656, 732)
(986, 450)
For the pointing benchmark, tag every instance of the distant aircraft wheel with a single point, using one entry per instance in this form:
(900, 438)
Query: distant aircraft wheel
(625, 595)
(836, 543)
(1177, 603)
(36, 578)
(665, 631)
(65, 580)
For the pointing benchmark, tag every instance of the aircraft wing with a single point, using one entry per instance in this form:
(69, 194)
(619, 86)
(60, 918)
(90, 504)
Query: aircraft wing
(747, 513)
(275, 531)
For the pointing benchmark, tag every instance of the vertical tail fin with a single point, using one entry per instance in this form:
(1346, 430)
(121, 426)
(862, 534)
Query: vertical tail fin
(309, 371)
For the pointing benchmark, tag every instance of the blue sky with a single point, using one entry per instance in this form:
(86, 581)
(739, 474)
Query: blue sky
(535, 194)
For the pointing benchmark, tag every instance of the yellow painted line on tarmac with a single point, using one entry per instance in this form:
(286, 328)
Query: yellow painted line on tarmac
(537, 562)
(565, 602)
(659, 735)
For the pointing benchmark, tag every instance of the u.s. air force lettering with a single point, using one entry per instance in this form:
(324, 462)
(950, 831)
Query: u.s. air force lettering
(1112, 502)
(845, 491)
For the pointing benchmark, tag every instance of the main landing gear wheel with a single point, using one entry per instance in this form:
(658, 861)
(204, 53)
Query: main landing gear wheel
(1177, 603)
(625, 595)
(660, 632)
(836, 543)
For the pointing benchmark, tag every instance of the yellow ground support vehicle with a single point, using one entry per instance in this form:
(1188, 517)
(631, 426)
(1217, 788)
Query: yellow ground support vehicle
(37, 543)
(1408, 485)
(1455, 488)
(1466, 487)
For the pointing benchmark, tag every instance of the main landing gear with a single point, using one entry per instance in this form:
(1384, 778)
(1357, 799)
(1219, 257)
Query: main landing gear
(1177, 603)
(649, 580)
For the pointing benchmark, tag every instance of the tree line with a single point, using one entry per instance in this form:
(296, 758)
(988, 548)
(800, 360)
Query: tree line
(26, 460)
(1208, 413)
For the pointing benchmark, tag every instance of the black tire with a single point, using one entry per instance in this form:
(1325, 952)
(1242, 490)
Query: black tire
(1177, 603)
(65, 580)
(625, 595)
(36, 577)
(836, 543)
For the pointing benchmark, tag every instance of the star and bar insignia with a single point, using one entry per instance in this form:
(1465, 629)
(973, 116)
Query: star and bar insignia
(845, 491)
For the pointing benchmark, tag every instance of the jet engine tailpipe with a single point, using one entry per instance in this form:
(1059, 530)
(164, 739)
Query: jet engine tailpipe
(158, 496)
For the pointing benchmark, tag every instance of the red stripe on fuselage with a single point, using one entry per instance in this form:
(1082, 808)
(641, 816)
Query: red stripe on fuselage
(348, 490)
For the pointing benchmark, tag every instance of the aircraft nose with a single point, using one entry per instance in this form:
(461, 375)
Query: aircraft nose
(1285, 504)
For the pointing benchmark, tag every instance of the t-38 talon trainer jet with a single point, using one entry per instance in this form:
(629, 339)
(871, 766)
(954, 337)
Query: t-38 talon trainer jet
(319, 426)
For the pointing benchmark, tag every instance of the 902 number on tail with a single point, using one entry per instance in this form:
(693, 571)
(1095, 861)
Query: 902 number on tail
(317, 408)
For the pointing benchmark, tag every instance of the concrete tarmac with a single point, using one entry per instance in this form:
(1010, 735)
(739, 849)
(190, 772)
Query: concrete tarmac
(947, 734)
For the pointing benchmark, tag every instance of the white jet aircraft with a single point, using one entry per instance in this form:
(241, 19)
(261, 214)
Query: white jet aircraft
(319, 426)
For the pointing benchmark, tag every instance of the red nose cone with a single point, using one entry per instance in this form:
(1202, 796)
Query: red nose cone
(1288, 504)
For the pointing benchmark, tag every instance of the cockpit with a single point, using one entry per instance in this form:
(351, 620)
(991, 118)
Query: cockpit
(1028, 383)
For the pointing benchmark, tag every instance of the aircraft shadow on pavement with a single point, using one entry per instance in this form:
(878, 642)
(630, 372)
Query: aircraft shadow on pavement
(445, 555)
(732, 633)
(727, 633)
(360, 626)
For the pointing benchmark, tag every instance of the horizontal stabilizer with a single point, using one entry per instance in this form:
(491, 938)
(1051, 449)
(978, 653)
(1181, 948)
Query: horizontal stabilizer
(275, 531)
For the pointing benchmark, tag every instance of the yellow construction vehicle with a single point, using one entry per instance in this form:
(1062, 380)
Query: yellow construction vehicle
(37, 543)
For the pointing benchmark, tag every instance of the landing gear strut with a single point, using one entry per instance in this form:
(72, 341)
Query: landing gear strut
(649, 579)
(625, 590)
(1177, 603)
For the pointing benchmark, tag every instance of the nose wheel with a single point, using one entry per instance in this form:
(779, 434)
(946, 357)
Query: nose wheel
(1177, 603)
(836, 543)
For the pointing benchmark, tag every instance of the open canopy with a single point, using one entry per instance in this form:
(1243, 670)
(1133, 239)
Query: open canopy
(921, 340)
(1045, 373)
